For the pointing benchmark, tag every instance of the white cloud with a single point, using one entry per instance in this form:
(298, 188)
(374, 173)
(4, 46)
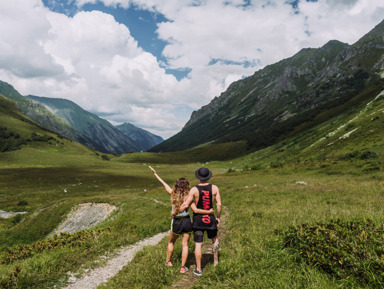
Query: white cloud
(21, 50)
(94, 61)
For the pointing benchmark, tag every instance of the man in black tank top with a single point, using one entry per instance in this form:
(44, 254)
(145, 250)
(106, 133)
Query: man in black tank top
(204, 194)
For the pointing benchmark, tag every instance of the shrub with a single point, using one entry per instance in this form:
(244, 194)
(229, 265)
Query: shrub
(23, 203)
(64, 240)
(359, 155)
(9, 140)
(13, 279)
(16, 219)
(42, 138)
(343, 249)
(105, 158)
(256, 167)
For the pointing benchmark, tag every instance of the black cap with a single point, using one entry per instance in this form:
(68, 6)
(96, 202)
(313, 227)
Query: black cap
(203, 174)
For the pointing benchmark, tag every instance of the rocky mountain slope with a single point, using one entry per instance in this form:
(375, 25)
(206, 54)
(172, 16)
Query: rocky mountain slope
(66, 118)
(18, 131)
(42, 116)
(276, 101)
(144, 139)
(100, 131)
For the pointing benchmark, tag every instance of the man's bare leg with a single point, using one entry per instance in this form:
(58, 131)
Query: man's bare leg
(215, 249)
(198, 255)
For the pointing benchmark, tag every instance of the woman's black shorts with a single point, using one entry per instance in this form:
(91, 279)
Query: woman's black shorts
(181, 225)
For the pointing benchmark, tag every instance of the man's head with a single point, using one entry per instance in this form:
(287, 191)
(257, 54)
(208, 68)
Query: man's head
(203, 174)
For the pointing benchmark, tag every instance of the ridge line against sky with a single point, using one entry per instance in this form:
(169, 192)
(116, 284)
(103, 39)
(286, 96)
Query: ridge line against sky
(152, 62)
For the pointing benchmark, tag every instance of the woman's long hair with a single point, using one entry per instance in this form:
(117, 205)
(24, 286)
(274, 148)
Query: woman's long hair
(179, 193)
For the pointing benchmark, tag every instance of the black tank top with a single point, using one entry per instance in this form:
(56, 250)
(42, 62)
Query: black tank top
(207, 222)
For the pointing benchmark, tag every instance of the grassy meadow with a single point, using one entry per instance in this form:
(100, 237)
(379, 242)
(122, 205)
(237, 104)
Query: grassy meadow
(275, 199)
(262, 204)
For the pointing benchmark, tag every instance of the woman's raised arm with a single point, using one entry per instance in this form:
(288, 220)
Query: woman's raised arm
(166, 186)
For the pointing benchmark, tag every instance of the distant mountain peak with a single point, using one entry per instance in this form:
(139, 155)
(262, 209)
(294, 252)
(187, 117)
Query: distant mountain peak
(275, 101)
(145, 139)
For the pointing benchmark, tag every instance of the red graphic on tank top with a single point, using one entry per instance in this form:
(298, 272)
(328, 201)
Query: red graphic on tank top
(206, 206)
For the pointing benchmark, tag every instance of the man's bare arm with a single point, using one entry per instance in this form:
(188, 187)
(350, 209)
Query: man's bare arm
(188, 201)
(218, 206)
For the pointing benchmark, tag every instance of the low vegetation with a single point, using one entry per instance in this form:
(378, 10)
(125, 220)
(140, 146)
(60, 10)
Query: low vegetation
(304, 213)
(343, 249)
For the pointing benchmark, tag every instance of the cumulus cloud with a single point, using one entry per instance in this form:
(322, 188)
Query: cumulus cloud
(94, 61)
(21, 46)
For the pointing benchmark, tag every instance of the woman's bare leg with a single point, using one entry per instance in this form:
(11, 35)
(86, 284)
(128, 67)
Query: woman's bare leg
(184, 254)
(171, 243)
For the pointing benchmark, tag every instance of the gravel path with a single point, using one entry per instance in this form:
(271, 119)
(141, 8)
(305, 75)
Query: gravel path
(93, 278)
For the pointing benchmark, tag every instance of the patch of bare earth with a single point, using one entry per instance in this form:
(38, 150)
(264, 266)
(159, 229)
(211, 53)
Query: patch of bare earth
(188, 279)
(84, 216)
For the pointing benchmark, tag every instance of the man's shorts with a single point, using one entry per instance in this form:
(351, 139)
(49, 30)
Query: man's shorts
(198, 234)
(181, 226)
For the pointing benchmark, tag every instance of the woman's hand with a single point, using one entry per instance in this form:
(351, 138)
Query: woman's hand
(153, 170)
(211, 211)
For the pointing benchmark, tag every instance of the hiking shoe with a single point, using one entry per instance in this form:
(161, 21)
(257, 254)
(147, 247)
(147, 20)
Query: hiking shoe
(197, 272)
(169, 264)
(183, 269)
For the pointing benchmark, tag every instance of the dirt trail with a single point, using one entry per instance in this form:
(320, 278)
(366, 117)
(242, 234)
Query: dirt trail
(93, 278)
(188, 279)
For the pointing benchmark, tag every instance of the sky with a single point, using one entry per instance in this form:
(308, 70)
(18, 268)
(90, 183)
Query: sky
(153, 62)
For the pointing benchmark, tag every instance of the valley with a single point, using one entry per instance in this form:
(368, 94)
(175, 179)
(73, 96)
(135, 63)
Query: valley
(333, 171)
(297, 151)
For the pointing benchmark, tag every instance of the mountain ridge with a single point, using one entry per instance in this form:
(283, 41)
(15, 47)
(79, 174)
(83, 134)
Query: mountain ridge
(104, 134)
(268, 105)
(67, 119)
(143, 138)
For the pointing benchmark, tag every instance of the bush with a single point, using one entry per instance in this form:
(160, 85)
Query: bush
(256, 167)
(9, 140)
(42, 138)
(105, 158)
(359, 155)
(16, 219)
(342, 249)
(23, 203)
(64, 240)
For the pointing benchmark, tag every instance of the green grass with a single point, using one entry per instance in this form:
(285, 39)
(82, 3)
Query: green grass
(262, 204)
(315, 176)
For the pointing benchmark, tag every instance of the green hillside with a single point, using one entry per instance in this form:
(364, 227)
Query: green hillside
(42, 116)
(275, 101)
(16, 129)
(304, 212)
(32, 144)
(329, 171)
(104, 136)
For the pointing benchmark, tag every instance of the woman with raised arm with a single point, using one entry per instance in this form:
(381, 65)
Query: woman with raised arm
(181, 221)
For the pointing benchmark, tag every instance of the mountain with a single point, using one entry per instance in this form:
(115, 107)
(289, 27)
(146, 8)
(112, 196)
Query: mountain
(19, 132)
(143, 138)
(106, 137)
(289, 96)
(42, 116)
